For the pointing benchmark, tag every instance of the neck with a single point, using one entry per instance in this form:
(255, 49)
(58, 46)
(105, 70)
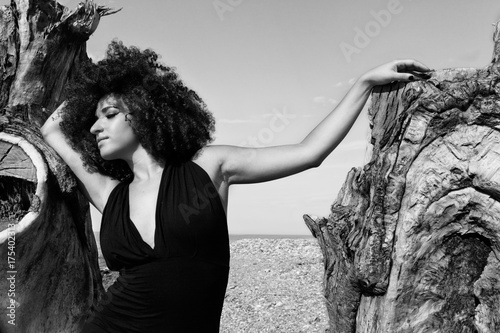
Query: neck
(144, 166)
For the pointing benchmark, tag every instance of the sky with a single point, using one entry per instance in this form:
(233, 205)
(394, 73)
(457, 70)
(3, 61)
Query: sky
(271, 70)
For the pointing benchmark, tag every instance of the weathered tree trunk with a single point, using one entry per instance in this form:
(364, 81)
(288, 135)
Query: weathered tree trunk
(412, 243)
(48, 259)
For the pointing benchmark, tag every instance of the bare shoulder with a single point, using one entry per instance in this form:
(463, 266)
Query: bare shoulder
(210, 158)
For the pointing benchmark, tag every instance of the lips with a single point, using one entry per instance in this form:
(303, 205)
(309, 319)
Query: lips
(101, 139)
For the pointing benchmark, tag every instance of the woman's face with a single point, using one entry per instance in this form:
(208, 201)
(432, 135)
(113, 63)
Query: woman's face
(114, 134)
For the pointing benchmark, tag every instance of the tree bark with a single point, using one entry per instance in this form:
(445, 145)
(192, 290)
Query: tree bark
(412, 243)
(47, 249)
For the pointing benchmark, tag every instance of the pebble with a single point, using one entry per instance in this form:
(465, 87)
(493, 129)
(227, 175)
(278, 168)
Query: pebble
(276, 286)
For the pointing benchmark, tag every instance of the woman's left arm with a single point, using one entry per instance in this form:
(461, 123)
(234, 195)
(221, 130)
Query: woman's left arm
(251, 165)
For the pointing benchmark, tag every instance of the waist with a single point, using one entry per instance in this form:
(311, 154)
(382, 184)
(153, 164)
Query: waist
(158, 279)
(163, 290)
(150, 260)
(168, 265)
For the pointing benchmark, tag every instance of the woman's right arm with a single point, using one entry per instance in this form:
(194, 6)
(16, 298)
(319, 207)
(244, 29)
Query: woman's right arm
(95, 186)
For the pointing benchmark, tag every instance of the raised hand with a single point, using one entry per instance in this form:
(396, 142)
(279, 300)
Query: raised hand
(397, 70)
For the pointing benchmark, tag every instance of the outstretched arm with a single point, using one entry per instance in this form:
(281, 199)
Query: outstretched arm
(251, 165)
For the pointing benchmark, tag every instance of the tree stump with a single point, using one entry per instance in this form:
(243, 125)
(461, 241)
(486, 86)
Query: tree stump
(412, 243)
(50, 274)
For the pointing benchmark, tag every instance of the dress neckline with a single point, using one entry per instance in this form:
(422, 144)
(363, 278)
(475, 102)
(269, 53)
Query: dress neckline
(129, 220)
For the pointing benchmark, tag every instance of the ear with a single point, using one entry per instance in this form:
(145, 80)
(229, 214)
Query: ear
(129, 117)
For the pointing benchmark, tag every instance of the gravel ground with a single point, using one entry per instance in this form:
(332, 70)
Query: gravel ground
(275, 285)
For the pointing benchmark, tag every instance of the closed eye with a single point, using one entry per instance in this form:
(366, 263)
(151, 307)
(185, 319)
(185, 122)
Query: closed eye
(111, 115)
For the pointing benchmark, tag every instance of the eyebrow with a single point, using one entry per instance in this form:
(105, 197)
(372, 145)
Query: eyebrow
(106, 108)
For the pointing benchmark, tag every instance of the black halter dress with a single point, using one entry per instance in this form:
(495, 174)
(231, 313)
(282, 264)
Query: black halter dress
(178, 286)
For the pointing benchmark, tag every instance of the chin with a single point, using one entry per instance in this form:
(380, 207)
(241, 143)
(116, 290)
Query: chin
(111, 155)
(107, 156)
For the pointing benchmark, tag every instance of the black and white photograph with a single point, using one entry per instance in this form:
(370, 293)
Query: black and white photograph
(249, 166)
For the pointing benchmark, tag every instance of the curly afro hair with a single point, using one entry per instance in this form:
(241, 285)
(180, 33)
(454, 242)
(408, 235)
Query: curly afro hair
(170, 120)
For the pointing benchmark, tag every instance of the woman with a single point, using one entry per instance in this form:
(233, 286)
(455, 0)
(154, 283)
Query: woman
(147, 166)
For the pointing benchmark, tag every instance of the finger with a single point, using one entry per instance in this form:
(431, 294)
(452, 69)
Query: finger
(412, 76)
(422, 76)
(405, 77)
(411, 65)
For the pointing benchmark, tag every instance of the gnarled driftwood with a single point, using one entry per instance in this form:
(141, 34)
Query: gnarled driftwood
(412, 243)
(47, 249)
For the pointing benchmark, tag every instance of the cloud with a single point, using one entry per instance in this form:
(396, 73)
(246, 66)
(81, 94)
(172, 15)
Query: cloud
(319, 99)
(325, 100)
(349, 82)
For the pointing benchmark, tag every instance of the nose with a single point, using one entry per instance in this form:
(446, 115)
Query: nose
(96, 128)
